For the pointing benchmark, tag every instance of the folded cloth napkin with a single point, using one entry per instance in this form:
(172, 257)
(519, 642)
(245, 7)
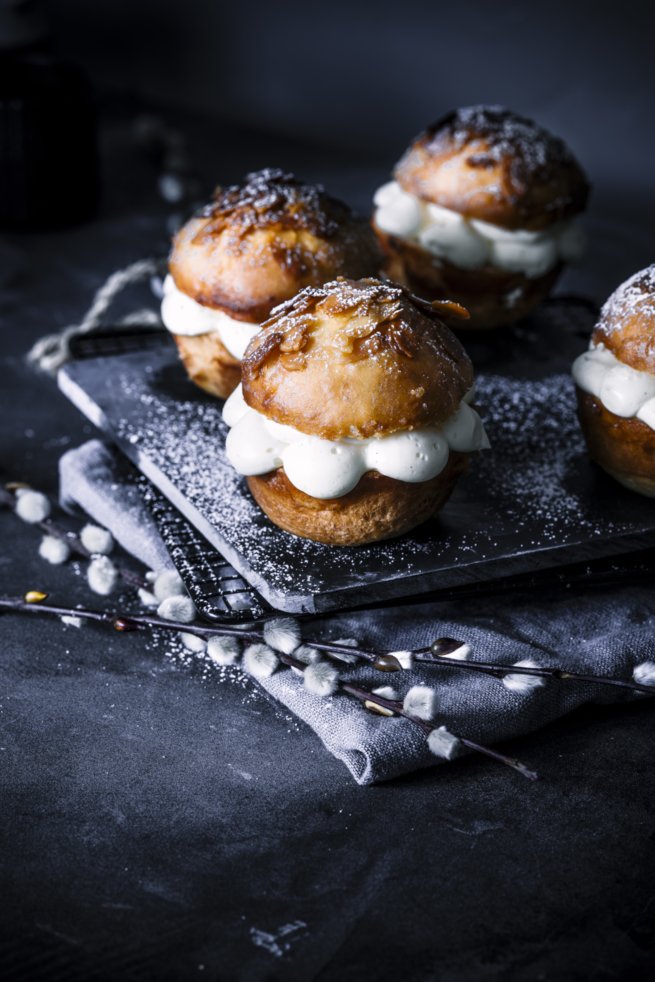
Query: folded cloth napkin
(605, 632)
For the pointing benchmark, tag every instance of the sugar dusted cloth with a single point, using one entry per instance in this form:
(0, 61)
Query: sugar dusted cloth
(605, 632)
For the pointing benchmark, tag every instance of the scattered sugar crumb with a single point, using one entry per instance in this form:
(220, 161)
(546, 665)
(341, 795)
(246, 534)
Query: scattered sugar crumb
(279, 941)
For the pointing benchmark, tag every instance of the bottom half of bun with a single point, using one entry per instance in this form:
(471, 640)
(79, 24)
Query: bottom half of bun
(625, 448)
(377, 508)
(209, 364)
(492, 296)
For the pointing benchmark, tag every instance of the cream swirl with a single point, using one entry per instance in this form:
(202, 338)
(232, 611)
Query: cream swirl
(183, 315)
(624, 391)
(470, 243)
(331, 468)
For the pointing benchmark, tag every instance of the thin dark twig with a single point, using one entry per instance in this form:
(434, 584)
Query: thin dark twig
(134, 623)
(542, 671)
(384, 662)
(395, 706)
(123, 622)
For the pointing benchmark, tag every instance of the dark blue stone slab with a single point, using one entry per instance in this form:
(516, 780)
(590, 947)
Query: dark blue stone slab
(534, 501)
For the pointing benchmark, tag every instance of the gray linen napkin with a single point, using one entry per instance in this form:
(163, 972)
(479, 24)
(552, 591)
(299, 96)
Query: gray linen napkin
(606, 632)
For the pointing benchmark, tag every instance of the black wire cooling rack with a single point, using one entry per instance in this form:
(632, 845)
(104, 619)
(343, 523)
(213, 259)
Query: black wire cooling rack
(218, 591)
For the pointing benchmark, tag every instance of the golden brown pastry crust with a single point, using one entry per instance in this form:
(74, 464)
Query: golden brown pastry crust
(258, 243)
(355, 358)
(627, 322)
(625, 448)
(489, 163)
(492, 296)
(209, 364)
(378, 508)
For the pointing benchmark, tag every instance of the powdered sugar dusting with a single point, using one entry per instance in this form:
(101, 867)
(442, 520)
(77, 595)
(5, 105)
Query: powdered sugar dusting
(525, 502)
(202, 667)
(510, 135)
(359, 298)
(635, 295)
(534, 430)
(271, 195)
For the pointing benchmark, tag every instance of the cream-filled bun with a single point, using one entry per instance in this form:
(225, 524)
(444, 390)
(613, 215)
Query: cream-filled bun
(353, 421)
(615, 382)
(482, 209)
(255, 245)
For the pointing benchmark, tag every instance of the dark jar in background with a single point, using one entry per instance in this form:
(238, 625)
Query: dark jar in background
(48, 151)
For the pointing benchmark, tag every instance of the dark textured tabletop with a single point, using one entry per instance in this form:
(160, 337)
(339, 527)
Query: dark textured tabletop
(160, 823)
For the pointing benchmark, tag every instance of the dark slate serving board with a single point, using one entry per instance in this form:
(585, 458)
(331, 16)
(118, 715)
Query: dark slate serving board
(534, 501)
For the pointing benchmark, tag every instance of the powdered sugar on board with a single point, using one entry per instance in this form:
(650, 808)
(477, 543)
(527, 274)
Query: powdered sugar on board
(534, 500)
(538, 444)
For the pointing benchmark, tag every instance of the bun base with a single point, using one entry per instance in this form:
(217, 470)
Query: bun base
(625, 448)
(209, 364)
(484, 292)
(377, 508)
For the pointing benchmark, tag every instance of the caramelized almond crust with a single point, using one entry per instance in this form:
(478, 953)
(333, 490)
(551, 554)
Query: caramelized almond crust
(625, 448)
(378, 508)
(489, 163)
(627, 322)
(492, 296)
(209, 364)
(259, 243)
(355, 358)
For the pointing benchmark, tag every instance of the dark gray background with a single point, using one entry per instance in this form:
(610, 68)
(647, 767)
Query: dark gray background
(365, 77)
(350, 84)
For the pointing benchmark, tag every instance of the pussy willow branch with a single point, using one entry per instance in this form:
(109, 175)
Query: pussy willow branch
(134, 622)
(122, 622)
(543, 671)
(427, 655)
(72, 540)
(396, 707)
(140, 622)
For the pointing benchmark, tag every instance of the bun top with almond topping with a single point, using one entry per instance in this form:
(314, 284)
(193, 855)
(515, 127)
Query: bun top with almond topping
(489, 163)
(627, 322)
(356, 358)
(257, 243)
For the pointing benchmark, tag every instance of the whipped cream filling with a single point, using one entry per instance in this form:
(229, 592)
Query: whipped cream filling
(624, 391)
(470, 243)
(332, 468)
(184, 316)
